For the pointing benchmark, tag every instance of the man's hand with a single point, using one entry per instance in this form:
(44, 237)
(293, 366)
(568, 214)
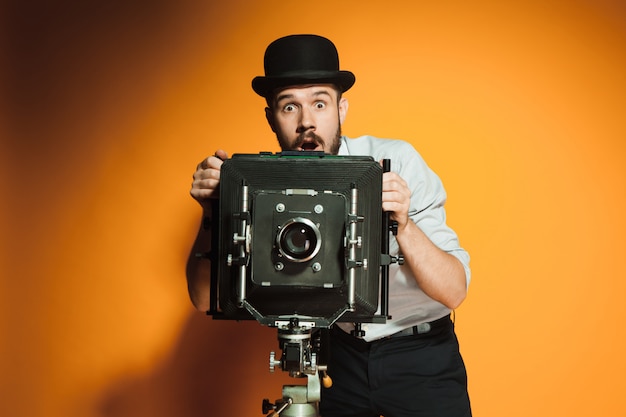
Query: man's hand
(396, 198)
(206, 179)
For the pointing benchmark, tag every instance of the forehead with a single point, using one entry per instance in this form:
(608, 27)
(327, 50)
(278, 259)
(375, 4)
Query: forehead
(305, 91)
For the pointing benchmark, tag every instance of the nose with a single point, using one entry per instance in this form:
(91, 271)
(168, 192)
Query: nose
(307, 120)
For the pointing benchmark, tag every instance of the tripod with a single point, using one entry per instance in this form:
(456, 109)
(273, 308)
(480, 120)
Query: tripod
(301, 356)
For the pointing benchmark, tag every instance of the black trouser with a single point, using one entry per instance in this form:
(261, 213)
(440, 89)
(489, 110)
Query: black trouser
(421, 375)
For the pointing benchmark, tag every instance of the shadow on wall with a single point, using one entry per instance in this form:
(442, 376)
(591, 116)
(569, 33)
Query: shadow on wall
(217, 368)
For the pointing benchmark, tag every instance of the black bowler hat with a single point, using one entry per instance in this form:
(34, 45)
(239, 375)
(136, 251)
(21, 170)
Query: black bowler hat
(301, 59)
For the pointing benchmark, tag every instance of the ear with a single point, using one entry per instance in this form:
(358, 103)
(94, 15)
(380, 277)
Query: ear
(269, 116)
(343, 109)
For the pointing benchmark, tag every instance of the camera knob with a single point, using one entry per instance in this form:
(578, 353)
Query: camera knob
(268, 406)
(273, 362)
(326, 380)
(393, 227)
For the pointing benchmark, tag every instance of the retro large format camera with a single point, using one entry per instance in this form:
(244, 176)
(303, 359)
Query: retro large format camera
(301, 244)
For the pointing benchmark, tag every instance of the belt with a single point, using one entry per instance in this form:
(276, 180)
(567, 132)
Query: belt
(430, 329)
(421, 328)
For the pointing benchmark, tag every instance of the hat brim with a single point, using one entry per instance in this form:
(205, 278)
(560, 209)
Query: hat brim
(265, 86)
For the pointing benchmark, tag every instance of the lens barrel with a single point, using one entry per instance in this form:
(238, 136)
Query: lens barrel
(299, 239)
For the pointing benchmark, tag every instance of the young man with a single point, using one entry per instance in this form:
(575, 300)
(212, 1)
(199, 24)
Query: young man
(411, 365)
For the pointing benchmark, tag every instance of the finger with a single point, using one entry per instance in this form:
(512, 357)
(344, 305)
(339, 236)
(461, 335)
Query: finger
(204, 164)
(393, 178)
(207, 174)
(212, 162)
(221, 154)
(204, 188)
(202, 194)
(205, 184)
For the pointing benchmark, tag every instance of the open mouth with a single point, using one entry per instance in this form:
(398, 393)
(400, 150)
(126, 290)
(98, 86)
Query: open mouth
(308, 146)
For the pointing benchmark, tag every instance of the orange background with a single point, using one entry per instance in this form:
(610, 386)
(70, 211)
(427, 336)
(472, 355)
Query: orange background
(519, 106)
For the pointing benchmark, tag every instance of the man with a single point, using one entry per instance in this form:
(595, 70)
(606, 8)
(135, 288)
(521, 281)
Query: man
(411, 365)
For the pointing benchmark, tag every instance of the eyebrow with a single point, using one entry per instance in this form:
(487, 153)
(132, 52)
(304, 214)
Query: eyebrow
(317, 93)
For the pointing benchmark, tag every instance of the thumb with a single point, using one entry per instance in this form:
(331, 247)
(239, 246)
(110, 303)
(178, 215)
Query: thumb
(221, 154)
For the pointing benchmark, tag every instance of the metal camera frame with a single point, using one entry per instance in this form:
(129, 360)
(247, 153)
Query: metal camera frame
(260, 196)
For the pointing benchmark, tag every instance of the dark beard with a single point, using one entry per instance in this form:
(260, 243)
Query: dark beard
(334, 146)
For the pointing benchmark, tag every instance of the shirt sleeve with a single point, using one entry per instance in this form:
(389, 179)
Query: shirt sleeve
(428, 198)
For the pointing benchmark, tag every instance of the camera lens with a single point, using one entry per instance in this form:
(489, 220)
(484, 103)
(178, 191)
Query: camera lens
(299, 239)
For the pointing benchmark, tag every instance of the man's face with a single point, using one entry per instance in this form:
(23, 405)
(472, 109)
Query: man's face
(308, 118)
